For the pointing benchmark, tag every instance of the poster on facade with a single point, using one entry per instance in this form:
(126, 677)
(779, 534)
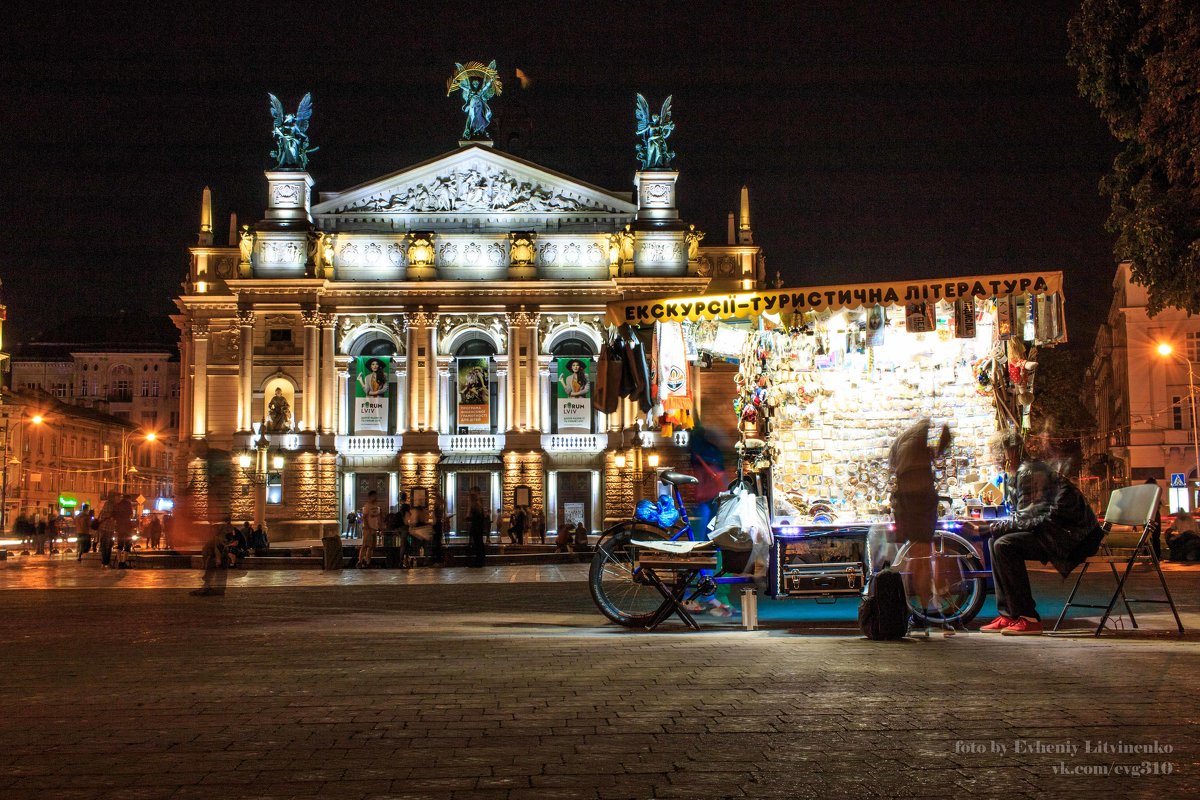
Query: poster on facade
(371, 393)
(574, 394)
(474, 396)
(573, 514)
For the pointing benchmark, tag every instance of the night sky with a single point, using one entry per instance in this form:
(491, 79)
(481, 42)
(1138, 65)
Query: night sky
(889, 140)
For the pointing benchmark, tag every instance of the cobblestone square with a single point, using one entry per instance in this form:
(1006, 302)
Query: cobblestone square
(505, 683)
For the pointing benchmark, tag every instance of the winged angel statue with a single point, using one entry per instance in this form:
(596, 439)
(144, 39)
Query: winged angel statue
(478, 84)
(291, 134)
(654, 130)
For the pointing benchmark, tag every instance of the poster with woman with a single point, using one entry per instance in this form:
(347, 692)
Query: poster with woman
(371, 393)
(574, 395)
(474, 395)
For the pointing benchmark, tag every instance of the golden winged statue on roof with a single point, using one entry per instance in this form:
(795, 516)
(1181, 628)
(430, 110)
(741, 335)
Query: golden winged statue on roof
(478, 84)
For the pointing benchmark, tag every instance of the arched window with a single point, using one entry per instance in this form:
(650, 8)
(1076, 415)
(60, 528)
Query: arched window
(473, 380)
(372, 392)
(120, 388)
(573, 373)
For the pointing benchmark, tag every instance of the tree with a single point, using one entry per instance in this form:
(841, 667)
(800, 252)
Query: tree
(1059, 421)
(1138, 62)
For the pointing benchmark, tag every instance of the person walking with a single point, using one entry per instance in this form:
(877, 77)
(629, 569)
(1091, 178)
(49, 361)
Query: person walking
(538, 526)
(914, 505)
(441, 524)
(372, 522)
(517, 524)
(154, 532)
(107, 528)
(214, 555)
(83, 531)
(477, 522)
(125, 526)
(39, 537)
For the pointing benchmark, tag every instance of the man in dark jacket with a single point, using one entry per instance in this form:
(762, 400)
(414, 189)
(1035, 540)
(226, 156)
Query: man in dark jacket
(1051, 523)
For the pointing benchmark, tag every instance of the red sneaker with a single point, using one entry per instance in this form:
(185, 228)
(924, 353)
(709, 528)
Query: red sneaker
(1024, 627)
(998, 624)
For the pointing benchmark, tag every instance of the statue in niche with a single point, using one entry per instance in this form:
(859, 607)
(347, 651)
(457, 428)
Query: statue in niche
(291, 134)
(279, 413)
(693, 238)
(246, 245)
(654, 129)
(478, 85)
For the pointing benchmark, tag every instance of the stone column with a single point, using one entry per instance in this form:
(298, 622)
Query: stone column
(200, 381)
(343, 387)
(185, 384)
(515, 416)
(328, 378)
(422, 368)
(546, 393)
(443, 389)
(532, 380)
(503, 422)
(311, 363)
(245, 370)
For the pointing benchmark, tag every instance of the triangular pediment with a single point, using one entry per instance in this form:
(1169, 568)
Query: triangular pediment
(471, 182)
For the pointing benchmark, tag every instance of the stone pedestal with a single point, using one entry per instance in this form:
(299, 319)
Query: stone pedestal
(660, 247)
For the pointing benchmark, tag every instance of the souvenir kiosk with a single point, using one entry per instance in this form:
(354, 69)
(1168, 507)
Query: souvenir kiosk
(829, 376)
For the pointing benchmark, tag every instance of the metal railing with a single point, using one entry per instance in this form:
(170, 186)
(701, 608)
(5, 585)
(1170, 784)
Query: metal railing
(373, 444)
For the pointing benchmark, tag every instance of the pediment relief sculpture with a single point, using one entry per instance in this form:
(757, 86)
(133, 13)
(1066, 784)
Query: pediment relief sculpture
(475, 189)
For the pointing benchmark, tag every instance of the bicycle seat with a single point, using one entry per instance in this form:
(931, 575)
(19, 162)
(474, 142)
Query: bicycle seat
(677, 478)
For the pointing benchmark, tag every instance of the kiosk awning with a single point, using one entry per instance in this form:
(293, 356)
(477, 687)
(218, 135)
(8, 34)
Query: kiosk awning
(825, 298)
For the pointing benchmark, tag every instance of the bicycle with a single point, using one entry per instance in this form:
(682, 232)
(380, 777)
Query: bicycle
(956, 601)
(618, 587)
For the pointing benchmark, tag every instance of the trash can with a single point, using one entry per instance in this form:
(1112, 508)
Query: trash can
(332, 546)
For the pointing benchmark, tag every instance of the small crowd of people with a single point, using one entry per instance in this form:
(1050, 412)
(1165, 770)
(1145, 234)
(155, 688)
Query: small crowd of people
(111, 532)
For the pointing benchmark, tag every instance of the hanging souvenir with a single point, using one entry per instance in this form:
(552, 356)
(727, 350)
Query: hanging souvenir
(919, 318)
(1006, 317)
(964, 318)
(876, 325)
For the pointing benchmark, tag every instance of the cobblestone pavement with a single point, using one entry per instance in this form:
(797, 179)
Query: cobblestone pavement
(505, 683)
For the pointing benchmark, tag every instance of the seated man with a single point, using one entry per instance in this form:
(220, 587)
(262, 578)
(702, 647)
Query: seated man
(1051, 522)
(237, 546)
(1183, 537)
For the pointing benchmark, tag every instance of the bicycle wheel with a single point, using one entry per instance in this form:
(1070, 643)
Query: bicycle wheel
(955, 599)
(615, 590)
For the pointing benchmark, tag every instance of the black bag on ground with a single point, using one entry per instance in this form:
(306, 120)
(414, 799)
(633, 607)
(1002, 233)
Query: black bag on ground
(884, 614)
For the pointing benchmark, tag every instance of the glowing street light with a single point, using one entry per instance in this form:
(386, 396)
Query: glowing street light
(1167, 351)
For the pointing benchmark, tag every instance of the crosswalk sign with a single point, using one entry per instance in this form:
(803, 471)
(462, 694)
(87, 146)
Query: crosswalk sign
(1178, 480)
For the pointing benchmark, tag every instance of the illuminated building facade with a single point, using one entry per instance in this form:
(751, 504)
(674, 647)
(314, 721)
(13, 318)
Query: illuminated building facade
(417, 332)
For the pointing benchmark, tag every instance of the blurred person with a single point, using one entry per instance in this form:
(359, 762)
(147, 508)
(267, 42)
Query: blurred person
(125, 526)
(106, 527)
(83, 531)
(1051, 522)
(237, 546)
(214, 555)
(581, 538)
(259, 543)
(154, 532)
(371, 519)
(537, 526)
(477, 528)
(517, 525)
(39, 537)
(914, 505)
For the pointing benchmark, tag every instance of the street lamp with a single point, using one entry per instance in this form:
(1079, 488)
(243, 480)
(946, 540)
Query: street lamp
(36, 419)
(1167, 351)
(126, 438)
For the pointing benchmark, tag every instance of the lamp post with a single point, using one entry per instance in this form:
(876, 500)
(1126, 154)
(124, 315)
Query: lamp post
(126, 438)
(1166, 350)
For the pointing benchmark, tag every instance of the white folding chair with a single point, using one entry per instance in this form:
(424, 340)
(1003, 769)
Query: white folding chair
(1134, 507)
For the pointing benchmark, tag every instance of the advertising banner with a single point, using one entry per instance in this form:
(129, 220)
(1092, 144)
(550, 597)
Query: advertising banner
(574, 393)
(474, 395)
(371, 393)
(823, 298)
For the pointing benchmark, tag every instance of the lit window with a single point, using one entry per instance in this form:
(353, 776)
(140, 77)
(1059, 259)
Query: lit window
(1192, 340)
(145, 387)
(274, 488)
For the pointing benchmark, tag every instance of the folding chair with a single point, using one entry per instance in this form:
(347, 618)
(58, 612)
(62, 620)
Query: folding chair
(1133, 506)
(682, 561)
